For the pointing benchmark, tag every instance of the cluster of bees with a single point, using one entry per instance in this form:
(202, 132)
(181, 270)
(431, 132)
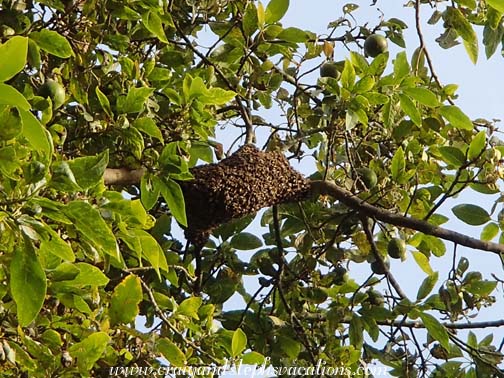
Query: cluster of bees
(239, 185)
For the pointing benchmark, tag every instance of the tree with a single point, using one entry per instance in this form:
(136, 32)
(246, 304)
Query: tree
(107, 107)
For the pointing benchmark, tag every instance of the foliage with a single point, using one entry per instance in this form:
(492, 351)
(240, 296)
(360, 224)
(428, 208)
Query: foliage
(81, 261)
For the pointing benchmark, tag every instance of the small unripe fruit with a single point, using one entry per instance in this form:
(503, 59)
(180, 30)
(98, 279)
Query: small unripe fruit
(378, 268)
(375, 44)
(55, 91)
(329, 69)
(368, 177)
(396, 248)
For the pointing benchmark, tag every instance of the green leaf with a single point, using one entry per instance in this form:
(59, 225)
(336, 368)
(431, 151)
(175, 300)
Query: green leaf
(471, 214)
(496, 4)
(11, 122)
(482, 288)
(355, 332)
(401, 66)
(153, 23)
(261, 15)
(490, 231)
(290, 346)
(89, 170)
(27, 282)
(10, 96)
(250, 20)
(423, 95)
(88, 275)
(189, 307)
(135, 100)
(471, 4)
(348, 75)
(477, 145)
(252, 358)
(238, 342)
(408, 107)
(294, 35)
(149, 192)
(13, 53)
(245, 241)
(398, 165)
(104, 101)
(275, 10)
(57, 246)
(423, 262)
(436, 330)
(35, 133)
(53, 43)
(88, 221)
(172, 193)
(150, 250)
(9, 165)
(149, 127)
(456, 117)
(217, 96)
(427, 285)
(364, 85)
(89, 350)
(456, 19)
(171, 352)
(125, 299)
(452, 155)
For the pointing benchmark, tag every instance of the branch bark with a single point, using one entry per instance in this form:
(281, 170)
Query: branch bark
(124, 176)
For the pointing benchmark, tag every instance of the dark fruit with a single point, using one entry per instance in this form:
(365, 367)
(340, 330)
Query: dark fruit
(368, 177)
(375, 44)
(341, 275)
(396, 248)
(55, 91)
(329, 69)
(378, 268)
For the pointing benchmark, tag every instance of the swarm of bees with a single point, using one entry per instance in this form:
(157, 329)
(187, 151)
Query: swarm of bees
(237, 186)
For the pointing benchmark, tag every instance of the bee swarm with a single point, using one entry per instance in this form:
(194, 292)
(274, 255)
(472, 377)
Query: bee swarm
(237, 186)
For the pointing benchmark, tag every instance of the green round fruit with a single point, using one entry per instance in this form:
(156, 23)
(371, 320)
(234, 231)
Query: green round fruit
(378, 268)
(329, 69)
(396, 248)
(375, 44)
(368, 177)
(35, 172)
(55, 91)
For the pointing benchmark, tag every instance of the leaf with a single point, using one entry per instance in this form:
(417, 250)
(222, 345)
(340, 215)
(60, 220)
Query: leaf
(35, 133)
(456, 117)
(149, 193)
(250, 20)
(104, 101)
(471, 214)
(410, 109)
(355, 332)
(135, 100)
(89, 350)
(490, 231)
(88, 275)
(53, 43)
(217, 96)
(253, 358)
(477, 145)
(348, 75)
(238, 342)
(456, 19)
(423, 95)
(13, 53)
(482, 288)
(423, 262)
(172, 193)
(452, 155)
(427, 285)
(153, 23)
(151, 250)
(398, 165)
(10, 96)
(245, 241)
(364, 85)
(436, 330)
(88, 221)
(171, 352)
(57, 246)
(189, 307)
(275, 10)
(293, 35)
(125, 299)
(496, 4)
(401, 66)
(149, 127)
(261, 15)
(28, 282)
(89, 170)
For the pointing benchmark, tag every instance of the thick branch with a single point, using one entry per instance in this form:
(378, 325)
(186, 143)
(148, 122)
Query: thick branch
(123, 176)
(347, 198)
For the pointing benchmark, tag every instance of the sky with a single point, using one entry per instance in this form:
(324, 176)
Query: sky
(480, 96)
